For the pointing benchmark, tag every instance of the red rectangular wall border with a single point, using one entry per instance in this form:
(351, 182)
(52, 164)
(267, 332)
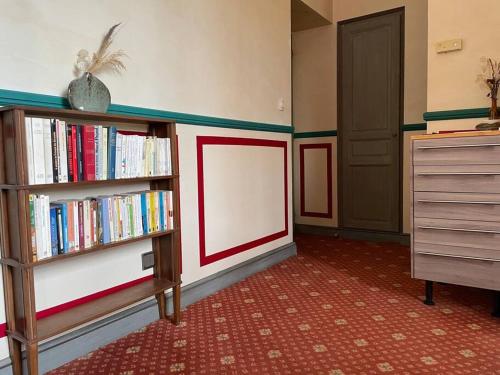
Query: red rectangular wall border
(328, 148)
(232, 141)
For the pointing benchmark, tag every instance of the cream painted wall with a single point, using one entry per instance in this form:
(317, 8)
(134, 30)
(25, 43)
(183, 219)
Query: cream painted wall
(224, 58)
(323, 7)
(184, 55)
(315, 71)
(452, 76)
(315, 182)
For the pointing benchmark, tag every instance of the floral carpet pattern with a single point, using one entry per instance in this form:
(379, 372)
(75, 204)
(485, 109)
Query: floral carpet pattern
(339, 307)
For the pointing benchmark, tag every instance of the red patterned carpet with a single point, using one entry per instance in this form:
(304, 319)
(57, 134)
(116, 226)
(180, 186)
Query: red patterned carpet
(340, 307)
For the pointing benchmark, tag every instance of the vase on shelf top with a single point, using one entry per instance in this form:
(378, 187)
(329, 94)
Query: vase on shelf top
(88, 93)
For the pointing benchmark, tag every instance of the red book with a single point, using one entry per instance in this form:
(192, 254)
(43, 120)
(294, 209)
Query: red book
(88, 141)
(74, 158)
(81, 233)
(71, 171)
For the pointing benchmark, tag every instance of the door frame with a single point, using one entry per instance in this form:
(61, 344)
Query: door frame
(401, 11)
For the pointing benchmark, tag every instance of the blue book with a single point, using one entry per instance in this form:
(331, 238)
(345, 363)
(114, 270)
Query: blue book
(64, 212)
(161, 198)
(144, 212)
(106, 237)
(53, 231)
(111, 152)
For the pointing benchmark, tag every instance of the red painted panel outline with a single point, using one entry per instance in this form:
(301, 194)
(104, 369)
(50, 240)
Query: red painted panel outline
(328, 147)
(232, 141)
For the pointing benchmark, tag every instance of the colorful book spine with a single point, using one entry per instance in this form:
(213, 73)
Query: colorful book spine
(88, 145)
(33, 226)
(53, 231)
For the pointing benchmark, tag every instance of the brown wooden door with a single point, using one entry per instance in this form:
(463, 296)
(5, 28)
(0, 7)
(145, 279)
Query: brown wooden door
(370, 116)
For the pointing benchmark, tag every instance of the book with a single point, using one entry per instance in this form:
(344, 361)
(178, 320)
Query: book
(47, 148)
(74, 153)
(81, 229)
(55, 151)
(31, 200)
(69, 143)
(105, 153)
(38, 150)
(29, 150)
(88, 152)
(53, 231)
(111, 152)
(79, 153)
(63, 150)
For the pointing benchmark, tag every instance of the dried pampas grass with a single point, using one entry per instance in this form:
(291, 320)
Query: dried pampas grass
(102, 60)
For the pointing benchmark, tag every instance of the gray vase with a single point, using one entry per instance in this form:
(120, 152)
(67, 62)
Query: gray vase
(88, 93)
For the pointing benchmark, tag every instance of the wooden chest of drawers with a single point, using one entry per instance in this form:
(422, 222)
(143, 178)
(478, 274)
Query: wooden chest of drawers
(455, 209)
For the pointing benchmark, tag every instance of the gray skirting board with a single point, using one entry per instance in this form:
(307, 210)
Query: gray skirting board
(353, 234)
(67, 347)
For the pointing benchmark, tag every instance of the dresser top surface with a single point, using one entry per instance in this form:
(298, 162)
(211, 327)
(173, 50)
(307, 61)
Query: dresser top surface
(473, 133)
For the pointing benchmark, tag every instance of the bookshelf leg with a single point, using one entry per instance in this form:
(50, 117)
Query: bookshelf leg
(162, 305)
(176, 294)
(15, 356)
(32, 358)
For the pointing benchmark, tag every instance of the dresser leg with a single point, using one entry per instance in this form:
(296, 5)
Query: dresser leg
(161, 299)
(429, 293)
(177, 304)
(496, 309)
(15, 355)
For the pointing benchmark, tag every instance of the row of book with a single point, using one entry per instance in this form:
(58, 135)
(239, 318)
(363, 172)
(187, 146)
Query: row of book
(72, 225)
(60, 152)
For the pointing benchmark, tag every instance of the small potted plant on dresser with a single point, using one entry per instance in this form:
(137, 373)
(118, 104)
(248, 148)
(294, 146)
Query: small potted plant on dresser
(490, 79)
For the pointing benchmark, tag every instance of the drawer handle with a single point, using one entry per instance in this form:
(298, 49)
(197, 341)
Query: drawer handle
(458, 256)
(458, 174)
(460, 230)
(457, 146)
(457, 202)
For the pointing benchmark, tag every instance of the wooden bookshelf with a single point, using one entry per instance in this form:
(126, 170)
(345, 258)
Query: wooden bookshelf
(23, 327)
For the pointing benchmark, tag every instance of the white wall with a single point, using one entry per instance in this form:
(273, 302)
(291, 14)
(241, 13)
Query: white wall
(224, 58)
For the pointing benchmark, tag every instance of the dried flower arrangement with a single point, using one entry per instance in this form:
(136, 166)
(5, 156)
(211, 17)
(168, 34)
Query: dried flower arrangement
(490, 77)
(88, 93)
(102, 59)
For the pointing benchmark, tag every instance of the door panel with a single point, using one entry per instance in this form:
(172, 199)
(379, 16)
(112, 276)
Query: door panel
(370, 92)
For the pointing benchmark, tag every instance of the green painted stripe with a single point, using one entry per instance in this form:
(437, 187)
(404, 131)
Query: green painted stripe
(413, 127)
(457, 114)
(333, 133)
(326, 133)
(10, 97)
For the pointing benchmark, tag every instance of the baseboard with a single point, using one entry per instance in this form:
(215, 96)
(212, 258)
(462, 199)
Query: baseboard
(67, 347)
(354, 234)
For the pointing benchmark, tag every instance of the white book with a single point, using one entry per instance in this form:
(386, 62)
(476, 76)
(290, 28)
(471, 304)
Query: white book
(143, 156)
(168, 157)
(111, 220)
(38, 150)
(105, 153)
(29, 150)
(47, 147)
(118, 156)
(125, 152)
(63, 151)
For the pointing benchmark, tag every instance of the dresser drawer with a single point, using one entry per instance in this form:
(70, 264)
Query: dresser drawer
(458, 206)
(456, 251)
(460, 150)
(457, 178)
(462, 233)
(461, 271)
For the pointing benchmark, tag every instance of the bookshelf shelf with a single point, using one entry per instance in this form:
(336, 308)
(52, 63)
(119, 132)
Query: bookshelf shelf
(100, 248)
(69, 319)
(17, 263)
(69, 185)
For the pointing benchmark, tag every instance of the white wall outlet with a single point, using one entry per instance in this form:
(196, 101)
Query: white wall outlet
(281, 104)
(449, 45)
